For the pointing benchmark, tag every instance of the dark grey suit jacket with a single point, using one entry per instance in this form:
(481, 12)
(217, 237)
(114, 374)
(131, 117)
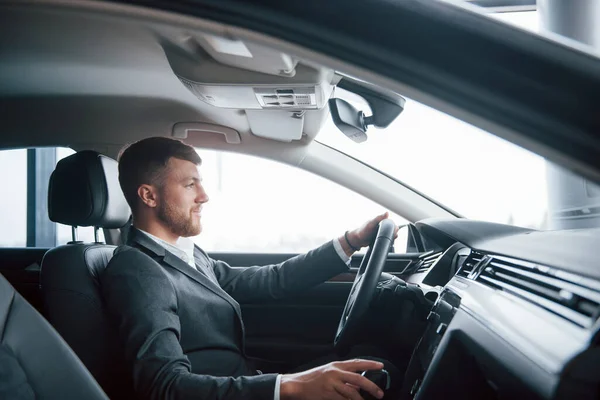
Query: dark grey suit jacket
(182, 333)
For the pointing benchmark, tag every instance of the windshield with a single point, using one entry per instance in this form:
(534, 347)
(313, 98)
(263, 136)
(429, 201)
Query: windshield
(453, 162)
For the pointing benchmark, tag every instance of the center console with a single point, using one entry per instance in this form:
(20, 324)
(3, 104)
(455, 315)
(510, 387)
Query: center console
(455, 361)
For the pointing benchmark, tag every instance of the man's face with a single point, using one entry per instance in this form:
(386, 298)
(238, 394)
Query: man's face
(181, 198)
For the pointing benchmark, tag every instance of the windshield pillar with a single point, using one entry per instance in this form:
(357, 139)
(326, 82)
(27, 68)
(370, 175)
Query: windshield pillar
(573, 202)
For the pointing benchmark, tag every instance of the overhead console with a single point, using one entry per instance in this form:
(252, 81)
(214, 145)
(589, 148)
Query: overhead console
(279, 95)
(230, 73)
(282, 98)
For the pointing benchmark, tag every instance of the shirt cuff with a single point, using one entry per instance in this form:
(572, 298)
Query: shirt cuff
(338, 249)
(277, 387)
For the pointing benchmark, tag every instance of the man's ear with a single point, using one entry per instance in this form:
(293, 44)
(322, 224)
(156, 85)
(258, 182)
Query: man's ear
(148, 194)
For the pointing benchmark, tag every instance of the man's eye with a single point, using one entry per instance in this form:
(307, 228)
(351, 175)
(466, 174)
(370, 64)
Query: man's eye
(191, 185)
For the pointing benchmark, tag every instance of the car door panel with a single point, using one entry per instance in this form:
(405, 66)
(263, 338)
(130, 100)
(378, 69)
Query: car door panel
(292, 327)
(297, 328)
(303, 326)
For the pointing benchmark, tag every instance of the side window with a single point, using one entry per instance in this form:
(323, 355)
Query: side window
(263, 206)
(13, 202)
(24, 174)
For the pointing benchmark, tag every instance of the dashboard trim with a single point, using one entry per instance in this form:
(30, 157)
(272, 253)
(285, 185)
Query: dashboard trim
(543, 337)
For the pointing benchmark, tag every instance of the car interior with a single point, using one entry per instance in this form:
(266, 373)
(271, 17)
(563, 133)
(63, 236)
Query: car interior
(483, 310)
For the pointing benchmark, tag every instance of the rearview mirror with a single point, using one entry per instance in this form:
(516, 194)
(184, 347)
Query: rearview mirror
(349, 120)
(384, 104)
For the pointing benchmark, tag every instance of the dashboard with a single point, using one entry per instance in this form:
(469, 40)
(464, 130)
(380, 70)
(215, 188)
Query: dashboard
(516, 316)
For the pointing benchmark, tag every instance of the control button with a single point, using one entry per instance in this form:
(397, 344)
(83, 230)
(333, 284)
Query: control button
(441, 329)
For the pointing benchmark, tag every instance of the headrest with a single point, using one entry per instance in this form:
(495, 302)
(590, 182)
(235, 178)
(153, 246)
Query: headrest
(84, 191)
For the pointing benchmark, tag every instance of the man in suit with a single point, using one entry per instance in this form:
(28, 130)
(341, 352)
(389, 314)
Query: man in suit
(177, 310)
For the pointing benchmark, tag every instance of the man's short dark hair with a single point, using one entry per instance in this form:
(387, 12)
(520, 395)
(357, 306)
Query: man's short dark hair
(145, 161)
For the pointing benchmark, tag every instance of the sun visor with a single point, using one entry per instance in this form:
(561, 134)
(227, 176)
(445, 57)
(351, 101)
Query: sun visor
(276, 125)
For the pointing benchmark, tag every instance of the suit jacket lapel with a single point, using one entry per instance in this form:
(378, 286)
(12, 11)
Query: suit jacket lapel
(200, 259)
(138, 239)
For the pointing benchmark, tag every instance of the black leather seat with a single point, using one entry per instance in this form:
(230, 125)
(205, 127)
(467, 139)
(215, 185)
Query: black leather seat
(35, 362)
(84, 191)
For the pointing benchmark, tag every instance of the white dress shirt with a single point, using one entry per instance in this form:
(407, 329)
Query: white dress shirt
(184, 249)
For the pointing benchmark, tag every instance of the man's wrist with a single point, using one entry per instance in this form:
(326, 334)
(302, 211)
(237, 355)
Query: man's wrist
(353, 247)
(287, 388)
(349, 243)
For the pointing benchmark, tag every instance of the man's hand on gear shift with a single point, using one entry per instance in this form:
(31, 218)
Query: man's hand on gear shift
(334, 381)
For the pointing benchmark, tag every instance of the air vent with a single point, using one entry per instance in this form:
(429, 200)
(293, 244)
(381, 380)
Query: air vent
(564, 294)
(470, 263)
(427, 262)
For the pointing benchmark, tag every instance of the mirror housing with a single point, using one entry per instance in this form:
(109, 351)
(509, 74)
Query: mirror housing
(348, 119)
(385, 106)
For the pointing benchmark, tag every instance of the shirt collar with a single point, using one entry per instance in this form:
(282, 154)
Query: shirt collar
(184, 248)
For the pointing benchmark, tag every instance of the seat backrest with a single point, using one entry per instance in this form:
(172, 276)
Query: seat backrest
(84, 191)
(35, 362)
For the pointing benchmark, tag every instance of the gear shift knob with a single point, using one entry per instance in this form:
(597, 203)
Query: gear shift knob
(379, 377)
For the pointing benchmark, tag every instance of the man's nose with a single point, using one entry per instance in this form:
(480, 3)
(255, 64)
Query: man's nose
(202, 197)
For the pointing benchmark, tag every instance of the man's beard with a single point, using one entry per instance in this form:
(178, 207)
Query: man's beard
(179, 222)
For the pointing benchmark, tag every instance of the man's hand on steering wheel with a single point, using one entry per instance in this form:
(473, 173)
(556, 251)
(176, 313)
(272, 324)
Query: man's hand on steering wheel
(379, 234)
(360, 237)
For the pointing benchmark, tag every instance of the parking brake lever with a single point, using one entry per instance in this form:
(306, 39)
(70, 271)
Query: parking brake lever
(379, 377)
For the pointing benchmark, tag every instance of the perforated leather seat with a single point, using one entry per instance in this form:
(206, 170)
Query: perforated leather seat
(35, 362)
(84, 191)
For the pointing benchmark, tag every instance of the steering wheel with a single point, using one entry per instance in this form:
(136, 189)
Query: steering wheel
(364, 286)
